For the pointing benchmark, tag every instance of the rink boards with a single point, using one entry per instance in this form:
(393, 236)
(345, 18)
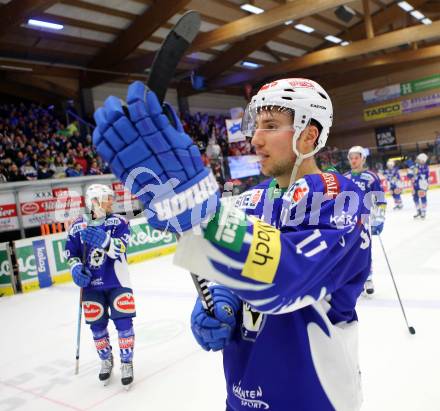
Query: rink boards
(41, 261)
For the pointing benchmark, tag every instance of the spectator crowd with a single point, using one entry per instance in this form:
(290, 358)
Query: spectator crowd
(36, 144)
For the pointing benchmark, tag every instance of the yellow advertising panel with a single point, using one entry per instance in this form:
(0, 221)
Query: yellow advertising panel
(383, 111)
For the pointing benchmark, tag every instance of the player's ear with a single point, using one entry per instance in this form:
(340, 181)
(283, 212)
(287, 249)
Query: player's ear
(311, 134)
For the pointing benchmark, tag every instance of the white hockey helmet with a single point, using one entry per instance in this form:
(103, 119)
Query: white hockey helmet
(422, 158)
(357, 150)
(305, 98)
(98, 192)
(391, 163)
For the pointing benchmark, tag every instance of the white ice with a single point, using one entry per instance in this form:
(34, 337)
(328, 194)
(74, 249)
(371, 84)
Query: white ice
(400, 371)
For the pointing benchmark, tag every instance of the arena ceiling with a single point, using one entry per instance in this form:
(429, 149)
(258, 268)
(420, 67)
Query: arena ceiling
(115, 40)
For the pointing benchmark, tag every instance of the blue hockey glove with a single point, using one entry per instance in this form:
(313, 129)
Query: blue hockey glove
(81, 275)
(377, 229)
(156, 161)
(95, 237)
(214, 333)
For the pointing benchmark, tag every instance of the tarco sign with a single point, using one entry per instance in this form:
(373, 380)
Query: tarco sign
(383, 111)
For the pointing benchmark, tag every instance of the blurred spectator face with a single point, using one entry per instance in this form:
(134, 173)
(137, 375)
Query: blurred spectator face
(14, 169)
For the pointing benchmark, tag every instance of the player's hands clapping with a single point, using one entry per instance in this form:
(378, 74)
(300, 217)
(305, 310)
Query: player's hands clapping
(215, 332)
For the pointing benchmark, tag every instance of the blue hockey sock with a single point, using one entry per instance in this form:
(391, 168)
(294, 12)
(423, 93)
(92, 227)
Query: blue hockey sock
(126, 344)
(102, 343)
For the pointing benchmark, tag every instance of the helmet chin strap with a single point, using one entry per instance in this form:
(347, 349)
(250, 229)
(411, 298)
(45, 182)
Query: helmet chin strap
(299, 156)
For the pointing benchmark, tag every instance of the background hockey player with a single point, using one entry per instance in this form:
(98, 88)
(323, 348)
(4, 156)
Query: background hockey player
(104, 278)
(392, 175)
(369, 183)
(419, 176)
(292, 263)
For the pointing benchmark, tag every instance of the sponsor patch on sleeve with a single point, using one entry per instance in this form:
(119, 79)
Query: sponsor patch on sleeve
(250, 199)
(264, 255)
(297, 192)
(331, 185)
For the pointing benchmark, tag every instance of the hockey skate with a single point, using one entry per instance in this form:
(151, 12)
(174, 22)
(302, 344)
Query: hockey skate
(127, 374)
(398, 207)
(419, 214)
(106, 370)
(423, 215)
(369, 287)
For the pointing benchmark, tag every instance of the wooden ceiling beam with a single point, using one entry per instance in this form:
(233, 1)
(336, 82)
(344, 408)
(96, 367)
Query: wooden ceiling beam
(78, 23)
(233, 31)
(238, 51)
(43, 84)
(28, 92)
(379, 20)
(99, 9)
(367, 19)
(399, 57)
(16, 11)
(140, 30)
(430, 8)
(272, 53)
(331, 54)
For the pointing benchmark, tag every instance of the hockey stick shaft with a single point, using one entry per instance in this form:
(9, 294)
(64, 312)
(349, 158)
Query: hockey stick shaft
(204, 293)
(411, 329)
(162, 71)
(78, 332)
(78, 325)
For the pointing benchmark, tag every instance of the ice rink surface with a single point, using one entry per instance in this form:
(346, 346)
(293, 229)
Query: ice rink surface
(400, 372)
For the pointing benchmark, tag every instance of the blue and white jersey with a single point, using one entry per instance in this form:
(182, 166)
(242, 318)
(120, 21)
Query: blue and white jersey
(368, 182)
(419, 174)
(109, 267)
(298, 260)
(393, 177)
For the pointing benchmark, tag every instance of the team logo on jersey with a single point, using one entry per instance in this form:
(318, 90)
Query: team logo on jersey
(331, 185)
(250, 199)
(297, 192)
(124, 303)
(96, 258)
(93, 310)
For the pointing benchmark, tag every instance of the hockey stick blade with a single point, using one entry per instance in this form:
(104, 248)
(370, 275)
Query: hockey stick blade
(171, 52)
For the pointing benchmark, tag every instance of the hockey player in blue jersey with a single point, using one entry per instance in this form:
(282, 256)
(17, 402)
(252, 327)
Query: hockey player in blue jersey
(104, 278)
(289, 260)
(392, 175)
(419, 176)
(370, 184)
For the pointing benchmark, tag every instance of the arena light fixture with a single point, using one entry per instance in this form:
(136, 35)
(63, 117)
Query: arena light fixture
(288, 22)
(416, 14)
(250, 64)
(251, 8)
(333, 39)
(345, 43)
(405, 6)
(304, 28)
(426, 21)
(45, 24)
